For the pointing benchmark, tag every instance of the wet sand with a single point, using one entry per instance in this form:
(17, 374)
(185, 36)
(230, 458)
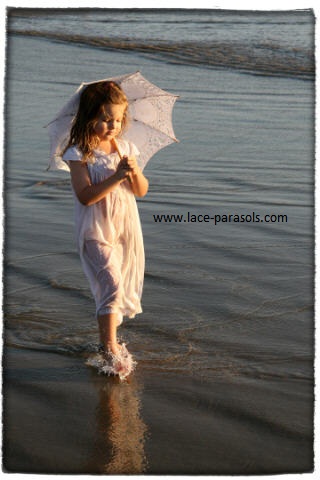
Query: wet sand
(62, 417)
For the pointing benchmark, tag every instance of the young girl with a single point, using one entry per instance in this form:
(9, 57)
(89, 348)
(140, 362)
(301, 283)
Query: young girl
(107, 220)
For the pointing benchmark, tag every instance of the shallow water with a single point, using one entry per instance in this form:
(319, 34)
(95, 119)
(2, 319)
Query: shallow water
(61, 417)
(231, 301)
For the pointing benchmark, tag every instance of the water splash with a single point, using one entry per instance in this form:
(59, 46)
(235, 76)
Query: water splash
(121, 365)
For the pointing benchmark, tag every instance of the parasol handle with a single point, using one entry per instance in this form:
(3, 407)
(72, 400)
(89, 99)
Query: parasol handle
(116, 147)
(119, 153)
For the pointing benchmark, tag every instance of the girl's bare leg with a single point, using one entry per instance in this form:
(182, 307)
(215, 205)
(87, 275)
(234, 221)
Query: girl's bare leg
(108, 324)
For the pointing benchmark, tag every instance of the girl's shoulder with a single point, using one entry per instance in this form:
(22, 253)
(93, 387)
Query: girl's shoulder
(127, 148)
(72, 153)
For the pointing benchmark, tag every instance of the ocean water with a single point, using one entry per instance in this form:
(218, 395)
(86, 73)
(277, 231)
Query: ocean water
(231, 300)
(264, 42)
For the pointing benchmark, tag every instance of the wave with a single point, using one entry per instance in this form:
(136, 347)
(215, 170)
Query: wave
(258, 58)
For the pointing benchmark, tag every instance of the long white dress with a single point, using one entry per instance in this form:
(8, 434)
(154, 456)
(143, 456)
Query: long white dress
(109, 237)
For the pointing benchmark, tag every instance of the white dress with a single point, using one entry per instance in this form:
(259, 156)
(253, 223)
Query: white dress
(110, 239)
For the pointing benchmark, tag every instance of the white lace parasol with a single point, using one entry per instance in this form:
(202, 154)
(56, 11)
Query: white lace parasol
(150, 119)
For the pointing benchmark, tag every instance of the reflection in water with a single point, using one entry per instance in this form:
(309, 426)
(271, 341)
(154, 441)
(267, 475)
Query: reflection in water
(119, 445)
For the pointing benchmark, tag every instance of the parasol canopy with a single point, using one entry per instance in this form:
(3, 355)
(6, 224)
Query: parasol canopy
(150, 119)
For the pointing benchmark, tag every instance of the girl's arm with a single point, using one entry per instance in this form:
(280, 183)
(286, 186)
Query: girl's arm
(86, 192)
(138, 182)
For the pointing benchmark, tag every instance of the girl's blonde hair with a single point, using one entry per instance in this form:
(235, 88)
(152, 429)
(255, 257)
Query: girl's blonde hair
(92, 101)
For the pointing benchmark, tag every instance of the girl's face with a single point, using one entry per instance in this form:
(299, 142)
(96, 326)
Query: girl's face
(109, 122)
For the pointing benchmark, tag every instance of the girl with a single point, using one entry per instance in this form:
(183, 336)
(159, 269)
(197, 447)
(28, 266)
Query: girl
(107, 220)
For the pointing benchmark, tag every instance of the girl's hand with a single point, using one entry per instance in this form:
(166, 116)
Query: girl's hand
(138, 182)
(132, 164)
(123, 170)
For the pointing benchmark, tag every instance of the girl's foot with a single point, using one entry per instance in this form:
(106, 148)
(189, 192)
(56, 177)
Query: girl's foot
(120, 364)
